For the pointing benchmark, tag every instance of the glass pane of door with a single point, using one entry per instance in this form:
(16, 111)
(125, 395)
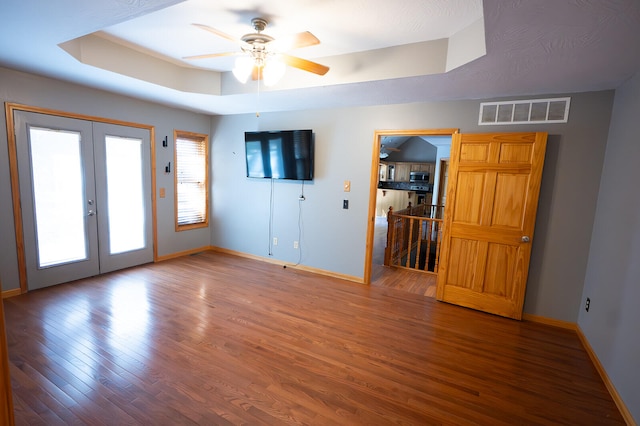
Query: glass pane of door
(58, 194)
(125, 200)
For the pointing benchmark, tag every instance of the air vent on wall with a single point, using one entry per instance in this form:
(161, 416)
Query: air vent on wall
(525, 111)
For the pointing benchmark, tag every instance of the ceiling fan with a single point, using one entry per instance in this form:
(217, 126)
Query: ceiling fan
(386, 150)
(260, 53)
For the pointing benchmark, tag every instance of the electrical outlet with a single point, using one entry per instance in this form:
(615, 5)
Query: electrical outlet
(295, 244)
(345, 204)
(587, 304)
(275, 241)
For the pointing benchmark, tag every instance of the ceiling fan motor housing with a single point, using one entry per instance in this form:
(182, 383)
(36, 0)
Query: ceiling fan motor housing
(257, 41)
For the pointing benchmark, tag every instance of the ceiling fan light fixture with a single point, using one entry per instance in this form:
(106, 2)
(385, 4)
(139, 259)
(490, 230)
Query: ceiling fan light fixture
(261, 54)
(242, 68)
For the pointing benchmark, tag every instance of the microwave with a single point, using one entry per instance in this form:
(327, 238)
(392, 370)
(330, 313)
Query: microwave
(419, 177)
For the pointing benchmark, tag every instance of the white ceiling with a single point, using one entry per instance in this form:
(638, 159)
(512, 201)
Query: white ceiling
(380, 52)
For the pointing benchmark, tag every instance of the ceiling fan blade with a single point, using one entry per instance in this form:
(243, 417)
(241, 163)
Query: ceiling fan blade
(212, 55)
(217, 32)
(384, 147)
(304, 64)
(293, 41)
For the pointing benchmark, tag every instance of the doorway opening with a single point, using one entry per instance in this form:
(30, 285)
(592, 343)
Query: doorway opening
(400, 157)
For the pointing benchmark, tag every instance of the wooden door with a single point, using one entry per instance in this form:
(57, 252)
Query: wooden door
(494, 182)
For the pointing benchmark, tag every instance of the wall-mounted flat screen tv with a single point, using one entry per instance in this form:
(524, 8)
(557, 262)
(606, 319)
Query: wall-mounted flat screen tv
(282, 154)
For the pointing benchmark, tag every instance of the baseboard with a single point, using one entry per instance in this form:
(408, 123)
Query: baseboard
(11, 293)
(624, 411)
(550, 321)
(181, 254)
(326, 273)
(318, 271)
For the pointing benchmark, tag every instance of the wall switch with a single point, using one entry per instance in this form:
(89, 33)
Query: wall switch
(275, 241)
(345, 204)
(163, 193)
(295, 244)
(587, 304)
(347, 185)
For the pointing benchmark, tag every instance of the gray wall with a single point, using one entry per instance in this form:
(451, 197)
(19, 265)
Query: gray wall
(334, 239)
(32, 90)
(612, 282)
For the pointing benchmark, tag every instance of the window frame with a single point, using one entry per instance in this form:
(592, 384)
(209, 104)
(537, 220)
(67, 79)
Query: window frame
(198, 138)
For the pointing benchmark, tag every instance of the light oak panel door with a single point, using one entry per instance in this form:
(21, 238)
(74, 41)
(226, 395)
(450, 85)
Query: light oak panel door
(492, 199)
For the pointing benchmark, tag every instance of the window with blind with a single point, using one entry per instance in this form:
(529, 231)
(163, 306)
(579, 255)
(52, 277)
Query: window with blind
(191, 180)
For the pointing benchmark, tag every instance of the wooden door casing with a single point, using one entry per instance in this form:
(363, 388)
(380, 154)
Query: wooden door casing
(494, 183)
(6, 405)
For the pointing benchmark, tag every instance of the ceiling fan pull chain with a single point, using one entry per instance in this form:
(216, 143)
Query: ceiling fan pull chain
(258, 102)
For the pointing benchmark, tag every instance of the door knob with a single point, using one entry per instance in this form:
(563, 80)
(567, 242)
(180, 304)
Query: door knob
(525, 239)
(91, 213)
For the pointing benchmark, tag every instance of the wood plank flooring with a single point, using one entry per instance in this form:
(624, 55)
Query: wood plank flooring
(214, 339)
(415, 282)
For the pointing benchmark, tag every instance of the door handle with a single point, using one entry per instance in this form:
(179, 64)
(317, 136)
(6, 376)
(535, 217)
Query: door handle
(525, 239)
(91, 213)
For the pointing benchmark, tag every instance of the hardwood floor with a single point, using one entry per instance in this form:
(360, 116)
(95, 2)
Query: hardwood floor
(215, 339)
(414, 282)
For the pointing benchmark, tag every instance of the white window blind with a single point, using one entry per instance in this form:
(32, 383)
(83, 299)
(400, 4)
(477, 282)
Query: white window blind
(191, 181)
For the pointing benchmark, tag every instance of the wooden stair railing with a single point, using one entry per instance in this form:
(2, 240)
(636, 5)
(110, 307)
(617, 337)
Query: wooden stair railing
(413, 237)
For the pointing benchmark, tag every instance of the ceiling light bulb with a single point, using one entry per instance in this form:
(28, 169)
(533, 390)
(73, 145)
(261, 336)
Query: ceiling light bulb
(243, 67)
(273, 71)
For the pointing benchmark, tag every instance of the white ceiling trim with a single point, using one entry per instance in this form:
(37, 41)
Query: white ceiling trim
(106, 52)
(102, 53)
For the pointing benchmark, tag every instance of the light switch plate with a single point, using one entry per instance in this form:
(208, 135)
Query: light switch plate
(347, 185)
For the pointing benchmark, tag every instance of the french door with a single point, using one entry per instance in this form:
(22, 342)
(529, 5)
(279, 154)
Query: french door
(85, 190)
